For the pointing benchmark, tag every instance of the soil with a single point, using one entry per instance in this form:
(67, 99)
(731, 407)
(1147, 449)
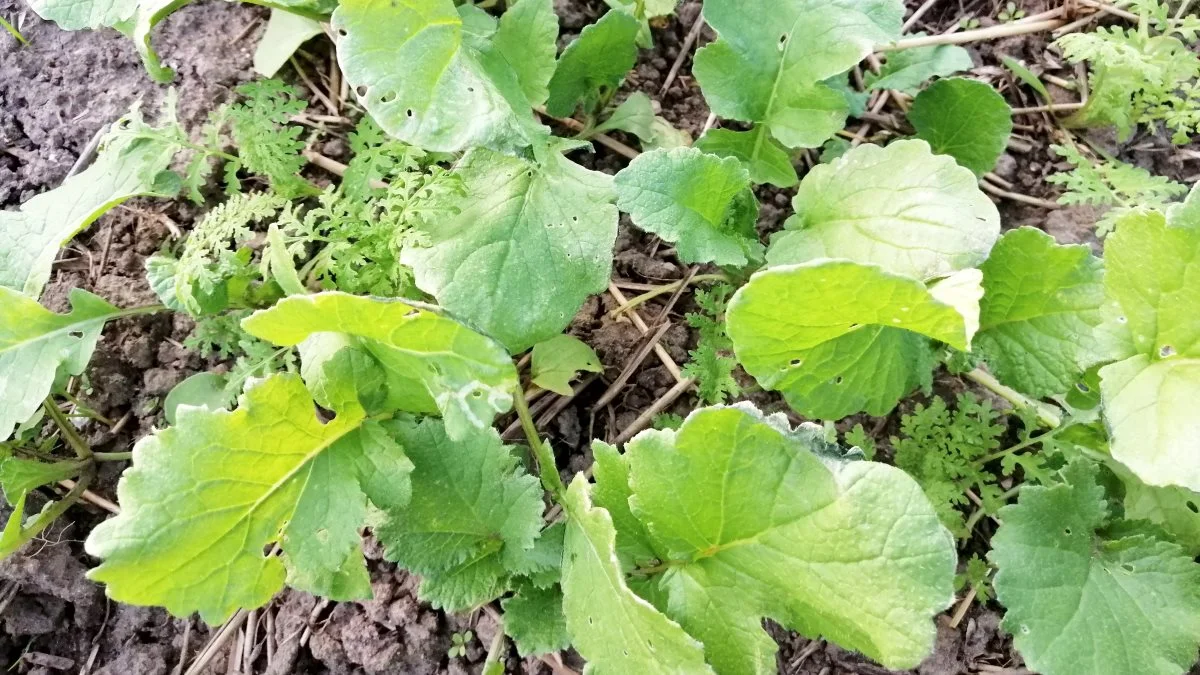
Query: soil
(54, 97)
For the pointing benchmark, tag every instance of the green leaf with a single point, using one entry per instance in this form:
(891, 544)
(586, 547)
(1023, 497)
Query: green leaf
(428, 81)
(763, 521)
(19, 476)
(203, 390)
(11, 538)
(906, 70)
(837, 337)
(32, 236)
(284, 34)
(700, 202)
(206, 497)
(1149, 407)
(1041, 313)
(432, 363)
(534, 619)
(610, 626)
(558, 360)
(597, 60)
(761, 154)
(520, 251)
(965, 119)
(612, 493)
(527, 39)
(1026, 76)
(36, 344)
(772, 71)
(1153, 274)
(1176, 509)
(473, 517)
(635, 115)
(1081, 603)
(901, 207)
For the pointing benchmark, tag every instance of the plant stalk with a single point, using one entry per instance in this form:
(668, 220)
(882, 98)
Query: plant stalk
(977, 35)
(69, 432)
(1048, 416)
(541, 450)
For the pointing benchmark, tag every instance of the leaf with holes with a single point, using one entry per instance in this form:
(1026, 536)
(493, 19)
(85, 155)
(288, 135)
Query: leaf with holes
(522, 249)
(761, 520)
(902, 207)
(431, 363)
(772, 71)
(699, 202)
(207, 496)
(1080, 602)
(836, 337)
(428, 80)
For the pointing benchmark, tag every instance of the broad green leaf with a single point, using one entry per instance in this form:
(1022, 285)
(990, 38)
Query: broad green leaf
(772, 70)
(1176, 509)
(206, 497)
(699, 202)
(202, 390)
(1186, 213)
(1150, 410)
(1041, 313)
(902, 207)
(612, 493)
(473, 517)
(1081, 604)
(906, 70)
(965, 119)
(558, 360)
(836, 337)
(429, 82)
(761, 154)
(763, 521)
(597, 60)
(1026, 76)
(534, 619)
(284, 34)
(19, 476)
(32, 236)
(520, 251)
(610, 626)
(1152, 271)
(432, 363)
(36, 344)
(665, 136)
(635, 115)
(10, 538)
(527, 38)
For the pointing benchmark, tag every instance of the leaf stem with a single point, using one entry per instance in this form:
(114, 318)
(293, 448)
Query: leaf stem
(69, 432)
(12, 30)
(112, 456)
(55, 509)
(541, 450)
(1031, 441)
(1046, 414)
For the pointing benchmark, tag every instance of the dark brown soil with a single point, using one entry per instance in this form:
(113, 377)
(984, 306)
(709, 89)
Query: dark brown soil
(56, 94)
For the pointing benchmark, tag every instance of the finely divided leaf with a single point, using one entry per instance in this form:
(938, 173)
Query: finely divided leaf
(429, 81)
(907, 69)
(837, 337)
(432, 363)
(762, 521)
(523, 248)
(473, 518)
(700, 202)
(902, 207)
(558, 360)
(610, 626)
(1041, 313)
(598, 59)
(772, 71)
(35, 344)
(761, 154)
(1081, 604)
(206, 497)
(527, 38)
(965, 119)
(32, 236)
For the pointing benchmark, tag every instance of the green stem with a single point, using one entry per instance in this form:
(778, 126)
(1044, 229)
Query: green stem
(545, 458)
(56, 509)
(12, 30)
(979, 512)
(495, 652)
(1034, 440)
(112, 456)
(69, 432)
(1046, 414)
(663, 290)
